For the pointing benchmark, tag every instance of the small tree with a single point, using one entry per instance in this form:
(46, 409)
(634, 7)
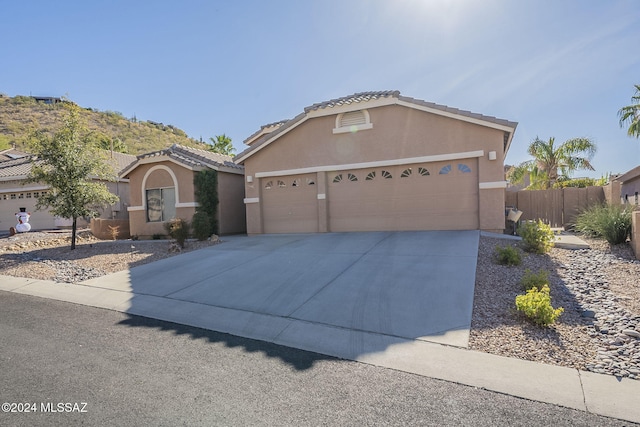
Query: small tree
(70, 163)
(221, 144)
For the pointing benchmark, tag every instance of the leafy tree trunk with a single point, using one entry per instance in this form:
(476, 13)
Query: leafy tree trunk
(73, 234)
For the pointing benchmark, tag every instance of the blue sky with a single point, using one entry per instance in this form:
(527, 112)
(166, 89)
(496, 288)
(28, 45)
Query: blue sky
(560, 68)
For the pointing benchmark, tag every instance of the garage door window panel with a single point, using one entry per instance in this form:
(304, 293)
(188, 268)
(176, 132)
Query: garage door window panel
(418, 200)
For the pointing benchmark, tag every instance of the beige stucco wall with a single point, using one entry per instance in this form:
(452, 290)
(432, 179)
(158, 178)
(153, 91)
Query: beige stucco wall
(398, 132)
(158, 176)
(612, 192)
(231, 211)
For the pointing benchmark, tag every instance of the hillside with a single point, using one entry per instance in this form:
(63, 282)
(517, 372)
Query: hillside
(22, 114)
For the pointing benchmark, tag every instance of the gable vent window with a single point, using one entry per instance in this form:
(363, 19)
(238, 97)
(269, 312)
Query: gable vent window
(353, 121)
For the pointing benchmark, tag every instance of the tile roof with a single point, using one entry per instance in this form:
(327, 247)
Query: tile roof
(11, 154)
(15, 169)
(21, 167)
(189, 156)
(122, 160)
(355, 98)
(363, 97)
(264, 129)
(629, 175)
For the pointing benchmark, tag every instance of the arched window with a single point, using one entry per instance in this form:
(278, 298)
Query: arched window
(463, 168)
(445, 170)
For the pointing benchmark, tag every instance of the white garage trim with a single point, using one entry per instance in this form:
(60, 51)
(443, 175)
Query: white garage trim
(25, 188)
(381, 163)
(187, 205)
(490, 185)
(252, 200)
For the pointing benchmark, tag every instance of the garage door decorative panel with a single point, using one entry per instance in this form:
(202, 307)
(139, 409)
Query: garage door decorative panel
(432, 196)
(290, 204)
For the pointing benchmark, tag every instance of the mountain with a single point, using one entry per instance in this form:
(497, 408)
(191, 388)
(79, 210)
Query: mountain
(22, 114)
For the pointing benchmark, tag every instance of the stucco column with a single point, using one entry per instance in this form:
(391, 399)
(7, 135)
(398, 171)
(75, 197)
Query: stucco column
(491, 209)
(252, 200)
(323, 211)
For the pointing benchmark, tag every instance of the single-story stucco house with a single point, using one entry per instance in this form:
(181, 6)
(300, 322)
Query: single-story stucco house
(377, 161)
(162, 187)
(15, 194)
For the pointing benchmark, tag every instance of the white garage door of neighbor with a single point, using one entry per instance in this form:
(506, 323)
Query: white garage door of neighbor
(290, 204)
(430, 196)
(10, 203)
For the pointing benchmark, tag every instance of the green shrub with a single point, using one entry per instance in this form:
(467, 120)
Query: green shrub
(178, 229)
(201, 226)
(534, 280)
(537, 236)
(508, 255)
(611, 222)
(536, 305)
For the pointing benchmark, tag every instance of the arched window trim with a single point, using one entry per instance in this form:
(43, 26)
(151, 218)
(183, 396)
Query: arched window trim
(341, 128)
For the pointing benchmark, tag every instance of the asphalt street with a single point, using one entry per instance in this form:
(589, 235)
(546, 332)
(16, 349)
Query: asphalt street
(99, 367)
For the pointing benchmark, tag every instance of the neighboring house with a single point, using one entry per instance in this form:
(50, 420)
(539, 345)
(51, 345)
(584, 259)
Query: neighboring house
(16, 194)
(630, 186)
(162, 188)
(377, 161)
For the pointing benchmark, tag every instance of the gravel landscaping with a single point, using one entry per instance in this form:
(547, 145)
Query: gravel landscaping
(599, 289)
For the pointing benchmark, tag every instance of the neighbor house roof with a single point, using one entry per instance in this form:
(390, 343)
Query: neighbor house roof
(189, 157)
(11, 154)
(630, 175)
(19, 169)
(363, 100)
(265, 129)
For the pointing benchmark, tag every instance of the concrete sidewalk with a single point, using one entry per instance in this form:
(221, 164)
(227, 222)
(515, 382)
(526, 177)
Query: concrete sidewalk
(595, 393)
(305, 326)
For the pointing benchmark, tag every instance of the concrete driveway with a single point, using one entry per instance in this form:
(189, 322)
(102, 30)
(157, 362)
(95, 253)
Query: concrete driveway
(364, 291)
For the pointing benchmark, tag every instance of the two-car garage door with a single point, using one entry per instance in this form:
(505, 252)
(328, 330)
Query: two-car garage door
(430, 196)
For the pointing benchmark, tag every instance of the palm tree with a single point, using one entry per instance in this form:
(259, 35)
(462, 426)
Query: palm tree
(221, 144)
(550, 163)
(630, 115)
